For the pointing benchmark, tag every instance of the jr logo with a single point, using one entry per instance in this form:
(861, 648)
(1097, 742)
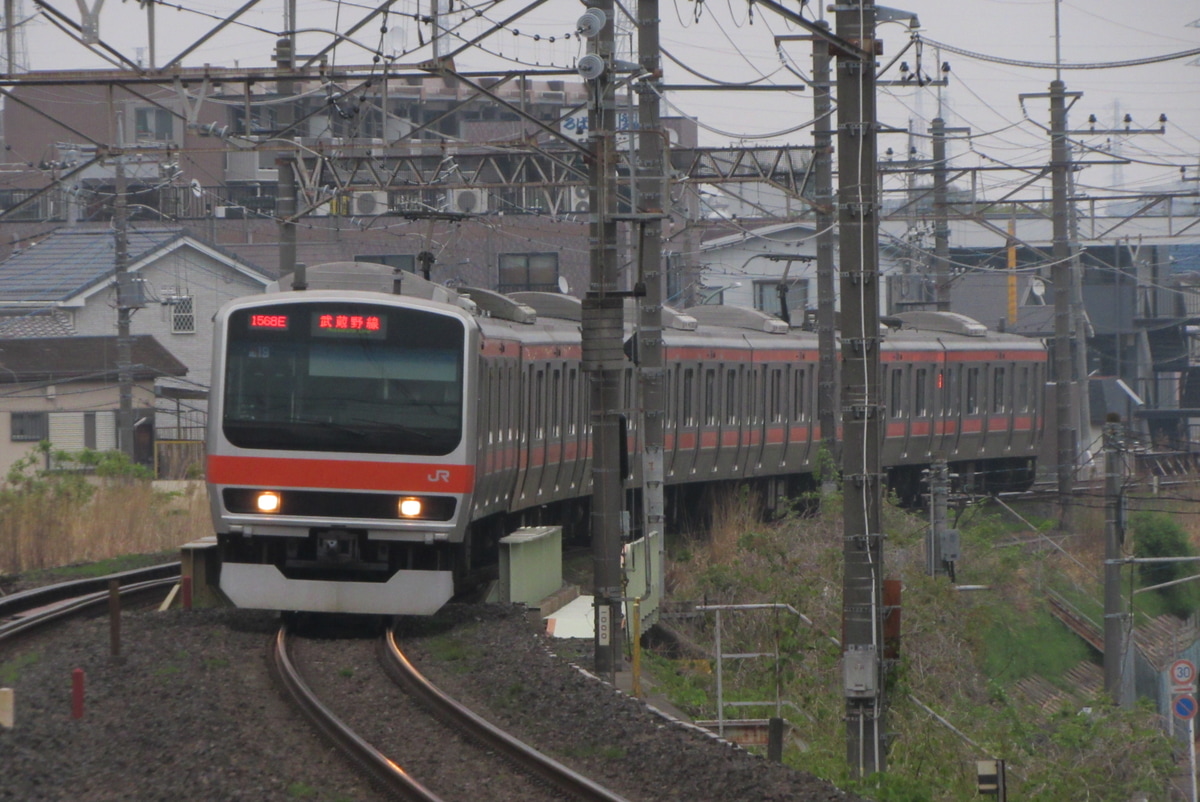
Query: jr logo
(439, 476)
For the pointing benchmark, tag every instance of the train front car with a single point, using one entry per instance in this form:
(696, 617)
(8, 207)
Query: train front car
(339, 468)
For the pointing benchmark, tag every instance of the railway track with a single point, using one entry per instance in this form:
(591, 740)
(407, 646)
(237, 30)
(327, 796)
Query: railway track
(486, 759)
(30, 609)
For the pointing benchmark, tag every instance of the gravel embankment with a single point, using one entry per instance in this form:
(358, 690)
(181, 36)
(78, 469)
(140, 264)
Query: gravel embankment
(190, 712)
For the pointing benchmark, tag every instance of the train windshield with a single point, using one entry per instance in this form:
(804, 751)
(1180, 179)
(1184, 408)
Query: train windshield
(344, 377)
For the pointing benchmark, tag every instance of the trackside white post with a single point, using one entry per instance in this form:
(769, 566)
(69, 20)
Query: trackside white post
(6, 708)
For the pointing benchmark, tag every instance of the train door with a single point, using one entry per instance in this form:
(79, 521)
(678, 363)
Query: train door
(576, 445)
(1000, 418)
(670, 427)
(732, 422)
(774, 429)
(921, 430)
(802, 445)
(755, 419)
(709, 430)
(688, 419)
(486, 473)
(971, 439)
(1023, 407)
(896, 428)
(952, 411)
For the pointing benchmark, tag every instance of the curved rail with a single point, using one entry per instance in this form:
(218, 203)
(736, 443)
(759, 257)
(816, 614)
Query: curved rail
(525, 757)
(39, 597)
(66, 605)
(387, 774)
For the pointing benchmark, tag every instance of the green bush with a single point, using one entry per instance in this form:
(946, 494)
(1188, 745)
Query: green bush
(1156, 534)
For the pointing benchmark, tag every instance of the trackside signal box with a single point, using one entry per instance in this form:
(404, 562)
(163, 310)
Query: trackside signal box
(991, 778)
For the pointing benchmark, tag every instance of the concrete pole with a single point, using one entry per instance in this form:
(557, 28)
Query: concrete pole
(1060, 166)
(826, 218)
(285, 162)
(604, 357)
(939, 492)
(1114, 616)
(125, 306)
(941, 224)
(653, 196)
(858, 224)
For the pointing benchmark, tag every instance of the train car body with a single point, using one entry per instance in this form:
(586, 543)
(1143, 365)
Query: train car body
(368, 447)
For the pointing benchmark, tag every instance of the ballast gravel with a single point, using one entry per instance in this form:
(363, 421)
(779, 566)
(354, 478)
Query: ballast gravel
(189, 711)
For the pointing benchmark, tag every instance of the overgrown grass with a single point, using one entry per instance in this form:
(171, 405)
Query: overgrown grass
(50, 520)
(961, 654)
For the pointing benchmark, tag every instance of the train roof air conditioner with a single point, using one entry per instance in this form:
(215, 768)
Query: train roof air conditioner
(369, 203)
(467, 201)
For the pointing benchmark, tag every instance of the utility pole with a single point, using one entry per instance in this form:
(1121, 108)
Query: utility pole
(825, 220)
(652, 203)
(125, 303)
(1060, 167)
(941, 225)
(939, 557)
(858, 224)
(1114, 615)
(603, 354)
(285, 160)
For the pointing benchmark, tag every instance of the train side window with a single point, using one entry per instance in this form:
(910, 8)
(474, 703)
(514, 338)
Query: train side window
(896, 404)
(539, 416)
(998, 390)
(572, 416)
(920, 383)
(798, 408)
(950, 399)
(493, 412)
(751, 393)
(556, 403)
(774, 395)
(710, 401)
(731, 396)
(668, 386)
(1021, 402)
(972, 404)
(686, 395)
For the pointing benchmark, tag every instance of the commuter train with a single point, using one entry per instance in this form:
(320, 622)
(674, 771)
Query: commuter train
(371, 438)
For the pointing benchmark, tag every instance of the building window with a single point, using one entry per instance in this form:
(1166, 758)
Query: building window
(766, 298)
(29, 426)
(525, 272)
(183, 315)
(155, 124)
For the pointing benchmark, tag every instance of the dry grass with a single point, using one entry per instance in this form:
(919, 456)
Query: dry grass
(51, 529)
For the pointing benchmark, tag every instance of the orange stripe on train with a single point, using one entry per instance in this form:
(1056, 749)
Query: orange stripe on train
(328, 474)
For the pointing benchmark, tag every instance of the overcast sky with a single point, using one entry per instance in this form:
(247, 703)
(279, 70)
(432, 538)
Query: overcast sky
(726, 41)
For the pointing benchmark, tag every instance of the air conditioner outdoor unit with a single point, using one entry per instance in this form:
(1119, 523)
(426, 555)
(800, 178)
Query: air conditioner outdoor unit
(369, 203)
(468, 201)
(581, 206)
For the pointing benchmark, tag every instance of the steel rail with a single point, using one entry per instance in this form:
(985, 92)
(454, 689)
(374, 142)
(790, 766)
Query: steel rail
(389, 776)
(17, 603)
(66, 606)
(522, 755)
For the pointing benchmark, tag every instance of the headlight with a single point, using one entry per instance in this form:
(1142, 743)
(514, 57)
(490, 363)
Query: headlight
(410, 507)
(267, 502)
